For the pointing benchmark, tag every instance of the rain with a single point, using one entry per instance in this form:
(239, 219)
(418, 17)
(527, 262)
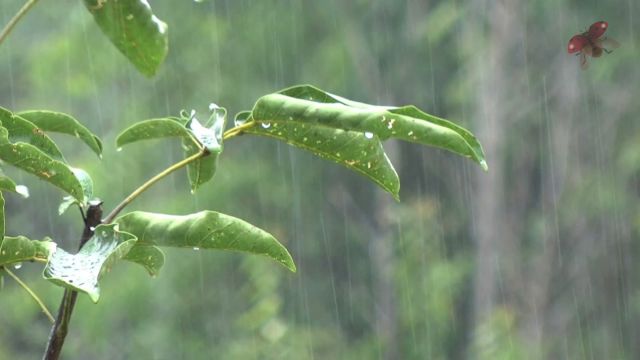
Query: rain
(531, 259)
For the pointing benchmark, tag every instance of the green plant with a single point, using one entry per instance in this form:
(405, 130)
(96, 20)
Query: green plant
(344, 131)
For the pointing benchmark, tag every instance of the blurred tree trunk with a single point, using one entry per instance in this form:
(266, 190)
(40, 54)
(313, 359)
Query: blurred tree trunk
(494, 245)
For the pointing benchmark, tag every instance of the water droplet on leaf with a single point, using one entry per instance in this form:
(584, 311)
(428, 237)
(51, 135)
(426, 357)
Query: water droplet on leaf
(368, 135)
(17, 265)
(266, 125)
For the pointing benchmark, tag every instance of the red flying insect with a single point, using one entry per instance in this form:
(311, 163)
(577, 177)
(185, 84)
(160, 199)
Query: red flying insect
(591, 43)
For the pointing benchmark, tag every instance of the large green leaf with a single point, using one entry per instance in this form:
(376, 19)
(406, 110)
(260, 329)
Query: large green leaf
(358, 151)
(19, 248)
(134, 30)
(82, 271)
(152, 129)
(314, 107)
(204, 230)
(22, 130)
(32, 160)
(64, 124)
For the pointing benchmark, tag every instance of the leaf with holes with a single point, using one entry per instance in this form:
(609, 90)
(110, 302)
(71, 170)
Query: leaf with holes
(357, 151)
(204, 230)
(56, 122)
(313, 107)
(82, 271)
(134, 30)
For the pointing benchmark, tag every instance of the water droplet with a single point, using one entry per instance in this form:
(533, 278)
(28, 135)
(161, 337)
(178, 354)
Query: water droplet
(195, 248)
(17, 265)
(368, 135)
(266, 125)
(130, 17)
(92, 228)
(22, 190)
(119, 149)
(193, 191)
(410, 133)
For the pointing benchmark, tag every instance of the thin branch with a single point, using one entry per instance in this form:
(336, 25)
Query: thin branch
(31, 293)
(150, 183)
(12, 23)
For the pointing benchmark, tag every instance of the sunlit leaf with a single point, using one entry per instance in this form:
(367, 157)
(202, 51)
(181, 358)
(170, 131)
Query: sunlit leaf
(32, 160)
(149, 256)
(314, 107)
(62, 123)
(152, 129)
(360, 152)
(134, 30)
(82, 271)
(19, 248)
(204, 230)
(22, 130)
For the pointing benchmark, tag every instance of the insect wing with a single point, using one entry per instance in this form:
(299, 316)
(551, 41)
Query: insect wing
(577, 43)
(587, 50)
(607, 43)
(597, 29)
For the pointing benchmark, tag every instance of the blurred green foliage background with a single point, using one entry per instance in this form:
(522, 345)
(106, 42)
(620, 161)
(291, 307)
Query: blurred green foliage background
(532, 260)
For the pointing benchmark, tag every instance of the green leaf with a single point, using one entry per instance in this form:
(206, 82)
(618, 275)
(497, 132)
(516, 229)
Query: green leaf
(149, 256)
(22, 130)
(204, 230)
(357, 151)
(64, 124)
(152, 129)
(32, 160)
(6, 183)
(134, 30)
(82, 271)
(19, 248)
(311, 106)
(209, 136)
(87, 189)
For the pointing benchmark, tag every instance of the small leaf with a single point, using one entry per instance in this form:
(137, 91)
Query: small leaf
(134, 30)
(152, 129)
(22, 130)
(65, 124)
(209, 136)
(87, 189)
(314, 107)
(82, 271)
(19, 248)
(6, 183)
(32, 160)
(204, 230)
(149, 256)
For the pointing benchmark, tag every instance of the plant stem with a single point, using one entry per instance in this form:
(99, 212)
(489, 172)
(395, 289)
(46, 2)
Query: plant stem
(150, 183)
(61, 325)
(237, 130)
(33, 295)
(12, 23)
